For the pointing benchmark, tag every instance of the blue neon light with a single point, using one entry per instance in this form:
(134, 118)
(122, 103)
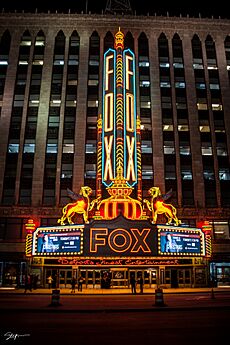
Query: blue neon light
(124, 96)
(109, 51)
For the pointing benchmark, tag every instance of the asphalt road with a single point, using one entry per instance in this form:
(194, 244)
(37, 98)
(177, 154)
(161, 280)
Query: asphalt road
(187, 327)
(91, 303)
(190, 318)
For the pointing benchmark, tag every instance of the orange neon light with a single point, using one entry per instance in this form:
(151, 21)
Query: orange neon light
(108, 70)
(143, 245)
(133, 238)
(95, 235)
(128, 71)
(114, 245)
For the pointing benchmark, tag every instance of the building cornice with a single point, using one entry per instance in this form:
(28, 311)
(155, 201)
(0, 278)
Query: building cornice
(55, 212)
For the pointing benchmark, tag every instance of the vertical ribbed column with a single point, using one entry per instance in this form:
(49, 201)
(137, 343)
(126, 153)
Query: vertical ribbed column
(81, 114)
(43, 112)
(175, 125)
(193, 124)
(224, 84)
(61, 124)
(211, 121)
(23, 124)
(8, 97)
(156, 116)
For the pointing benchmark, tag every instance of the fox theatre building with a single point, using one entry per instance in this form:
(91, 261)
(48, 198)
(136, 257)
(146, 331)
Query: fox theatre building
(120, 235)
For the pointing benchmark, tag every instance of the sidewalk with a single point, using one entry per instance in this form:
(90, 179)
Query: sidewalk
(112, 300)
(113, 291)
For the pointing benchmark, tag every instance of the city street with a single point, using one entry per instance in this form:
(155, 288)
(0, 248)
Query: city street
(97, 302)
(124, 328)
(188, 318)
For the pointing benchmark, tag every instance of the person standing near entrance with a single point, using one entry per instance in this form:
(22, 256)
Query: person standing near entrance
(73, 283)
(80, 282)
(141, 283)
(50, 280)
(133, 284)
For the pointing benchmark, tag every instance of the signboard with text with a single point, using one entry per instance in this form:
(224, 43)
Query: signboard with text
(181, 242)
(58, 241)
(120, 238)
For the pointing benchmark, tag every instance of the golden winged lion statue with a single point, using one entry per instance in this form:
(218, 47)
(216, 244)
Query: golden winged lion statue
(81, 205)
(157, 206)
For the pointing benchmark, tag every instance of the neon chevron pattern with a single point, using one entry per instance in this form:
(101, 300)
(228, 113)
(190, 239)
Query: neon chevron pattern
(120, 136)
(29, 243)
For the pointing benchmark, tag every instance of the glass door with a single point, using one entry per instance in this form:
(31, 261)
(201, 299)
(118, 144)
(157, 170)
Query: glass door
(65, 277)
(119, 278)
(153, 278)
(223, 276)
(97, 278)
(184, 277)
(54, 273)
(147, 274)
(90, 278)
(82, 273)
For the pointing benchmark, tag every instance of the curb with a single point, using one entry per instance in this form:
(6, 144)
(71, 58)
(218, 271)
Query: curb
(2, 293)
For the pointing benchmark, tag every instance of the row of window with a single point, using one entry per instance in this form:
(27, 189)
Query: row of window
(57, 77)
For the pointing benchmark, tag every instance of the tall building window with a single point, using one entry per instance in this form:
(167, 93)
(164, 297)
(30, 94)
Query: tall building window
(183, 124)
(16, 120)
(167, 117)
(221, 230)
(227, 54)
(31, 121)
(4, 58)
(223, 167)
(92, 110)
(53, 121)
(203, 114)
(69, 117)
(145, 113)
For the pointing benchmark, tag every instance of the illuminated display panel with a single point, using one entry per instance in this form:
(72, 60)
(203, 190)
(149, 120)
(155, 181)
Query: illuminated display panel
(181, 242)
(58, 241)
(120, 239)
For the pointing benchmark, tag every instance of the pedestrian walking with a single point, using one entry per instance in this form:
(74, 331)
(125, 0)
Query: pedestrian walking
(50, 280)
(141, 283)
(80, 283)
(73, 284)
(133, 284)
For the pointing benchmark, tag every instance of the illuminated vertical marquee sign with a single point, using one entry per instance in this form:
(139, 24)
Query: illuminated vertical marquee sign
(130, 159)
(119, 142)
(109, 112)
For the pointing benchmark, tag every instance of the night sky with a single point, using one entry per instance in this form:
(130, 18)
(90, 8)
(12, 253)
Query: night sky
(160, 7)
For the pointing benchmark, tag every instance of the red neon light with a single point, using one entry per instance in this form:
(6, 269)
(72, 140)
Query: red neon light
(30, 226)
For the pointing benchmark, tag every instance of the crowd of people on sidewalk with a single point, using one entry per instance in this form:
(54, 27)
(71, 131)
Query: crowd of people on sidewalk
(32, 280)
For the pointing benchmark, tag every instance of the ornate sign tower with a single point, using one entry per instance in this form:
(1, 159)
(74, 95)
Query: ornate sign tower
(119, 149)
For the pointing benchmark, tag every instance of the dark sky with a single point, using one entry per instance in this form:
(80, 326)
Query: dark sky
(160, 7)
